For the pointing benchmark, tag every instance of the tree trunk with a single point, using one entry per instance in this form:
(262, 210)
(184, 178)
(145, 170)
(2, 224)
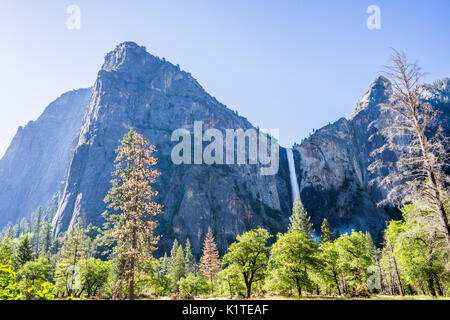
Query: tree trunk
(440, 206)
(299, 287)
(397, 273)
(248, 285)
(344, 285)
(438, 287)
(132, 265)
(195, 281)
(249, 290)
(337, 282)
(381, 274)
(131, 280)
(211, 280)
(431, 285)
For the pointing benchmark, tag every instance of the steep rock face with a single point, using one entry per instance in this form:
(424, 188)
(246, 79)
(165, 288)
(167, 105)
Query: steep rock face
(33, 167)
(63, 153)
(332, 164)
(136, 89)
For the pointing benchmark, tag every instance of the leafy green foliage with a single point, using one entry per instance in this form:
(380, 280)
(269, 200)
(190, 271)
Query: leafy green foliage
(249, 256)
(293, 258)
(329, 279)
(94, 275)
(194, 285)
(9, 289)
(415, 256)
(6, 252)
(34, 279)
(355, 256)
(230, 282)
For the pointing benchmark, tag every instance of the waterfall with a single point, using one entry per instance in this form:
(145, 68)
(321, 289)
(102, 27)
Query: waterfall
(294, 183)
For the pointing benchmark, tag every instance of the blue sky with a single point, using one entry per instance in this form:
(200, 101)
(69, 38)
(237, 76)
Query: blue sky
(291, 65)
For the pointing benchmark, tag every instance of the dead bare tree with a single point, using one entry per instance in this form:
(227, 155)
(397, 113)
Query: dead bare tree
(414, 133)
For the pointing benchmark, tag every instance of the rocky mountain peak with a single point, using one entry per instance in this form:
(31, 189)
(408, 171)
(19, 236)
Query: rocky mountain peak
(129, 56)
(378, 93)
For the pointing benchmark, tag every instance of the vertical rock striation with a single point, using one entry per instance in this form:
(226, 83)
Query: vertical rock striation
(137, 89)
(34, 166)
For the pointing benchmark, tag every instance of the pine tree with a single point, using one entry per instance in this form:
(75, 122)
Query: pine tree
(189, 258)
(6, 252)
(46, 237)
(9, 231)
(173, 251)
(130, 199)
(24, 251)
(75, 247)
(300, 220)
(165, 264)
(326, 232)
(178, 267)
(51, 209)
(36, 223)
(24, 227)
(210, 262)
(73, 250)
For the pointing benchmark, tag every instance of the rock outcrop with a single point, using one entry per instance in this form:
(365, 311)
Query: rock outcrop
(34, 166)
(332, 164)
(136, 89)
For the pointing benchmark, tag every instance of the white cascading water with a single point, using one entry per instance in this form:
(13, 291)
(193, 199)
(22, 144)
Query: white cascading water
(294, 183)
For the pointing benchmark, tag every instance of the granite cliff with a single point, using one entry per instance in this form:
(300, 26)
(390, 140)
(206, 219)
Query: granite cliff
(34, 166)
(69, 152)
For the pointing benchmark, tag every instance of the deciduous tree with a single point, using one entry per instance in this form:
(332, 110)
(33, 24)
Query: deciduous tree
(249, 255)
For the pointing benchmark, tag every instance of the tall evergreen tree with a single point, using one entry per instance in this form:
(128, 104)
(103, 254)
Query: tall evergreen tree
(300, 220)
(35, 225)
(173, 251)
(131, 201)
(326, 232)
(75, 247)
(24, 251)
(23, 228)
(178, 267)
(51, 209)
(6, 252)
(8, 231)
(210, 262)
(189, 258)
(46, 237)
(165, 264)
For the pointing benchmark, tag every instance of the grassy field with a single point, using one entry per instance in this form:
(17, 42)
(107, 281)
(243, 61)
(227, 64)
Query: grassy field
(373, 297)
